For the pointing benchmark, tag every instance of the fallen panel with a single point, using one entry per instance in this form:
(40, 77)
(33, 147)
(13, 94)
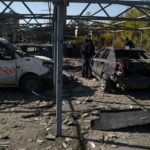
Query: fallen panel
(117, 120)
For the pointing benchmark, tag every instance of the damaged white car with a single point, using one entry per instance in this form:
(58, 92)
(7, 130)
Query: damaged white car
(19, 69)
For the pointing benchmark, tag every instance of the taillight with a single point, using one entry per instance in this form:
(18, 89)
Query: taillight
(118, 69)
(121, 69)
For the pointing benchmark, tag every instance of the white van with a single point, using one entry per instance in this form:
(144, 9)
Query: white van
(19, 69)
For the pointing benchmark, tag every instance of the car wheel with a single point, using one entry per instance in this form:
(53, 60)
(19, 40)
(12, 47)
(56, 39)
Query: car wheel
(31, 83)
(107, 84)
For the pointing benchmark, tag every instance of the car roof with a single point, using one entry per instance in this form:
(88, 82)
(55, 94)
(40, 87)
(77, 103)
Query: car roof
(130, 50)
(126, 50)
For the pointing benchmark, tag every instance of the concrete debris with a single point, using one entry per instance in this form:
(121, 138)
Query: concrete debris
(48, 148)
(92, 144)
(47, 129)
(94, 79)
(43, 104)
(68, 139)
(78, 102)
(87, 127)
(21, 149)
(68, 123)
(50, 137)
(131, 107)
(114, 146)
(30, 140)
(64, 103)
(39, 141)
(85, 115)
(65, 145)
(88, 100)
(95, 113)
(37, 102)
(36, 119)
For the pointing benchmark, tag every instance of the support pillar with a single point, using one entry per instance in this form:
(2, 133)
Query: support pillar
(59, 53)
(54, 44)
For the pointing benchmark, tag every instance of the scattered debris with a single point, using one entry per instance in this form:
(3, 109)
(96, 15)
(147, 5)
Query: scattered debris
(39, 141)
(68, 139)
(85, 115)
(114, 146)
(68, 123)
(78, 102)
(88, 100)
(30, 140)
(65, 145)
(48, 148)
(50, 137)
(92, 144)
(31, 115)
(95, 113)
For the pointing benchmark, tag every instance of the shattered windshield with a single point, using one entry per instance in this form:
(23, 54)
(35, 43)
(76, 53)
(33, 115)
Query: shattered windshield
(16, 49)
(19, 51)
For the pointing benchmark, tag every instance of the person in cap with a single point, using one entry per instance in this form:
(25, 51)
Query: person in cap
(128, 43)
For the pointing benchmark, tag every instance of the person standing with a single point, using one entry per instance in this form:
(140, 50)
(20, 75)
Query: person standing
(69, 46)
(128, 43)
(87, 51)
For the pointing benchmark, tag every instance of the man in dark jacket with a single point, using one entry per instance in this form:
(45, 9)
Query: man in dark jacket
(87, 51)
(128, 44)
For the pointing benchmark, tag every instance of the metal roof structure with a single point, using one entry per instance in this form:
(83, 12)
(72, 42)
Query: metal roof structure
(58, 19)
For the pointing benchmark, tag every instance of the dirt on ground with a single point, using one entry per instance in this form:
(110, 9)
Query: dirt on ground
(28, 122)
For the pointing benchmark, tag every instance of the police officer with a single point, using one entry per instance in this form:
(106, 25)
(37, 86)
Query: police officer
(128, 43)
(87, 51)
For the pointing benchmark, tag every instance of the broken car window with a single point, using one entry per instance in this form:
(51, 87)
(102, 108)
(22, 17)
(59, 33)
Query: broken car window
(111, 61)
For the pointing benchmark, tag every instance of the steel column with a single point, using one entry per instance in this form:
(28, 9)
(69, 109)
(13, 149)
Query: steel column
(54, 44)
(60, 31)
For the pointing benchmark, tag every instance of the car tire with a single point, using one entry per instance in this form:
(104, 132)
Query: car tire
(107, 85)
(31, 83)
